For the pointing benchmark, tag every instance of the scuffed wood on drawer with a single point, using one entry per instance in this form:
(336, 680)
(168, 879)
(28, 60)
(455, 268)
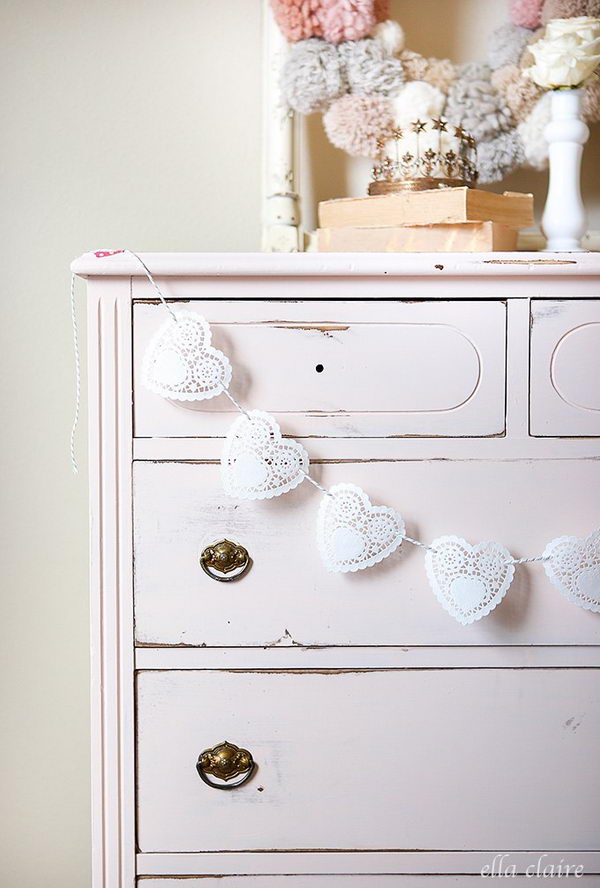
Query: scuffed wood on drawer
(432, 759)
(288, 597)
(340, 369)
(413, 864)
(565, 367)
(356, 881)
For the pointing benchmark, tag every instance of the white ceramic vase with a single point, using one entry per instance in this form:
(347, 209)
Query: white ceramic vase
(564, 221)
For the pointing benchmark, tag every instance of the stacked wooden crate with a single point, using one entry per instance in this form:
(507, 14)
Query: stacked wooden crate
(442, 220)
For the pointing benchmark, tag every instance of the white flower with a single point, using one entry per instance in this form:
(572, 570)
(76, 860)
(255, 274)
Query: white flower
(567, 54)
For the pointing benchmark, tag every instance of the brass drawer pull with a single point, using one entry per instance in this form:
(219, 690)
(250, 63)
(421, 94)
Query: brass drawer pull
(226, 761)
(225, 561)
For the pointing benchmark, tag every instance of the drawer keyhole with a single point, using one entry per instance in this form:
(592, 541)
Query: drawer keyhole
(319, 368)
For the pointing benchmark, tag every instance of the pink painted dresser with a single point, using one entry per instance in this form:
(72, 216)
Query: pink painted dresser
(394, 746)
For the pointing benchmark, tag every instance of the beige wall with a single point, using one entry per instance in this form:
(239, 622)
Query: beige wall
(124, 123)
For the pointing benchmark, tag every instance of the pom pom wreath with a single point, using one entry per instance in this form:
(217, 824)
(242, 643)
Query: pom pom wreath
(562, 9)
(520, 93)
(417, 101)
(390, 35)
(298, 19)
(347, 19)
(591, 101)
(369, 69)
(438, 72)
(313, 76)
(475, 104)
(499, 157)
(506, 45)
(441, 73)
(415, 65)
(526, 13)
(531, 132)
(354, 123)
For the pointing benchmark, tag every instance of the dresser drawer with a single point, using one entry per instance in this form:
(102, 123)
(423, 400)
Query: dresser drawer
(565, 367)
(431, 759)
(343, 369)
(359, 881)
(288, 596)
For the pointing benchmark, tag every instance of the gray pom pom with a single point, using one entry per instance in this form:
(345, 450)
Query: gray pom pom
(475, 104)
(506, 45)
(313, 75)
(498, 158)
(369, 69)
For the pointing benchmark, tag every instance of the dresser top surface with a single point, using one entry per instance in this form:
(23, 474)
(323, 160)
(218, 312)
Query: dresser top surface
(434, 265)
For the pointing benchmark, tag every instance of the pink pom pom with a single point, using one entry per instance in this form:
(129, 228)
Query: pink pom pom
(526, 13)
(348, 19)
(355, 123)
(298, 19)
(335, 20)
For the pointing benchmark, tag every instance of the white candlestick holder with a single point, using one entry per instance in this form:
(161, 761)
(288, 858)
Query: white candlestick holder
(564, 221)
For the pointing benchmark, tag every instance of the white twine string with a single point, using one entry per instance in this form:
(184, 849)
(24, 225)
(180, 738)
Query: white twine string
(154, 284)
(317, 485)
(418, 543)
(228, 394)
(74, 465)
(528, 560)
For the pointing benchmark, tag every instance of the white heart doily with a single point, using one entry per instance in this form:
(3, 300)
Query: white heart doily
(352, 534)
(257, 463)
(573, 566)
(468, 581)
(180, 362)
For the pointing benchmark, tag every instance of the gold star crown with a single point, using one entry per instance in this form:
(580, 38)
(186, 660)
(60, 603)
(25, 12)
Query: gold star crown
(419, 157)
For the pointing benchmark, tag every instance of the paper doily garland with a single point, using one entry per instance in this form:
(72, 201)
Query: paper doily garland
(352, 534)
(181, 364)
(468, 581)
(573, 566)
(257, 462)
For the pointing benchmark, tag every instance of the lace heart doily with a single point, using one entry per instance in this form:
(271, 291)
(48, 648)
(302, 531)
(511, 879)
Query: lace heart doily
(257, 463)
(573, 566)
(352, 534)
(180, 362)
(468, 581)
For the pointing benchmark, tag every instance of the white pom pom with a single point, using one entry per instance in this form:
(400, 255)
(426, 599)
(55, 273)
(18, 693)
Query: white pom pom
(531, 132)
(417, 101)
(391, 36)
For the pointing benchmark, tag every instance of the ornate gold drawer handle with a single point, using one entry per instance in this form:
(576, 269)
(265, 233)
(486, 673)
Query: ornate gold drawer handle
(226, 761)
(225, 561)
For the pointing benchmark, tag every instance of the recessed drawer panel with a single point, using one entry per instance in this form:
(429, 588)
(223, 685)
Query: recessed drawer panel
(464, 759)
(565, 367)
(374, 369)
(288, 597)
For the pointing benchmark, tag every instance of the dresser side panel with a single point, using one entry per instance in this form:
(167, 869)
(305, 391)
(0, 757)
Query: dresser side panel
(112, 716)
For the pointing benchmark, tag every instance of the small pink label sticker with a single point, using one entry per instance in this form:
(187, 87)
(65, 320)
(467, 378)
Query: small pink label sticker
(100, 254)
